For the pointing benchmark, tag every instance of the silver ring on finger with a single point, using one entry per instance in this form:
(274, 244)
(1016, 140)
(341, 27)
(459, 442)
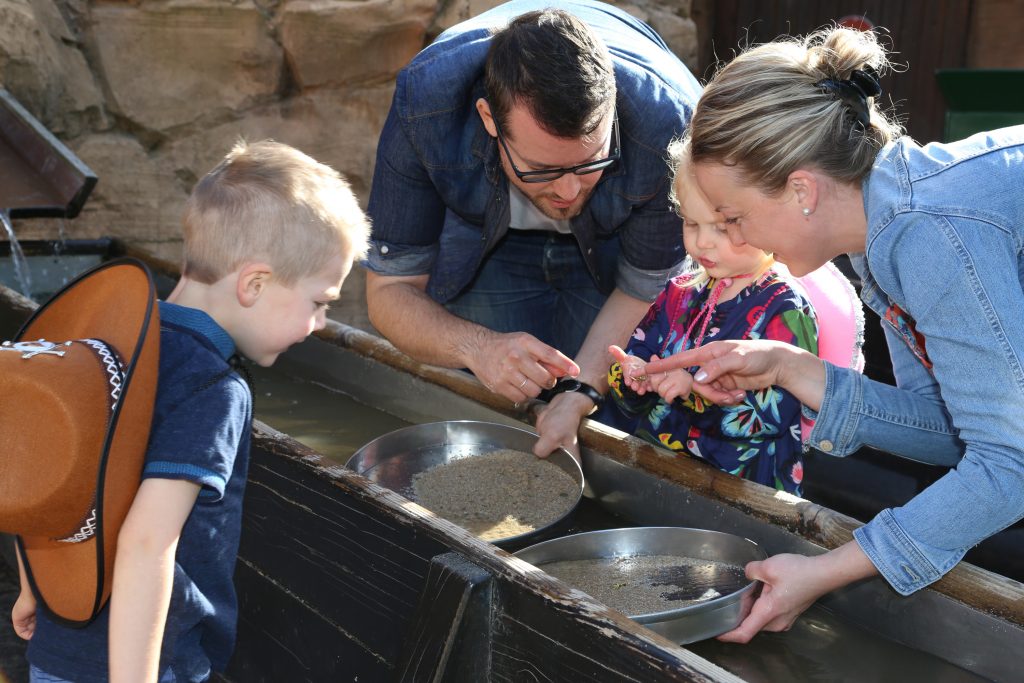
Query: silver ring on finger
(525, 380)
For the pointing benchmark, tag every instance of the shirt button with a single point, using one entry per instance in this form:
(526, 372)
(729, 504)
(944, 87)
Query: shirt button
(384, 249)
(825, 445)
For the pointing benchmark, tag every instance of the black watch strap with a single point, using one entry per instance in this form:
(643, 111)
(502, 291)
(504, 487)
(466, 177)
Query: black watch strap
(570, 384)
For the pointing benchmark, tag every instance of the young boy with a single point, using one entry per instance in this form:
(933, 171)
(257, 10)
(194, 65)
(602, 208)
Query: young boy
(270, 235)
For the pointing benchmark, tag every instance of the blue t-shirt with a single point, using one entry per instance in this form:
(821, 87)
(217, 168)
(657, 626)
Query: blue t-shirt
(201, 429)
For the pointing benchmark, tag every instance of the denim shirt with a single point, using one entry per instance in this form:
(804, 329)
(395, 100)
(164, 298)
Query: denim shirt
(439, 201)
(945, 242)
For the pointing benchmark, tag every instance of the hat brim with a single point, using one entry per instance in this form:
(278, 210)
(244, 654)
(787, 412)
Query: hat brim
(116, 303)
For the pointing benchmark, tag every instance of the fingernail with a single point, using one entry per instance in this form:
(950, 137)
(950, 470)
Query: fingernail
(739, 397)
(700, 376)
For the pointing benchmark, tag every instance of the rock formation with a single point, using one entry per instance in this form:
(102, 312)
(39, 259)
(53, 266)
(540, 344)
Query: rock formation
(151, 93)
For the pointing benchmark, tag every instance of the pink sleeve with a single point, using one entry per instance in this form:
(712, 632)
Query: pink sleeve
(840, 322)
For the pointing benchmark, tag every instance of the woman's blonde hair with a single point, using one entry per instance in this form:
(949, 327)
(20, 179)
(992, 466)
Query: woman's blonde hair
(267, 201)
(767, 113)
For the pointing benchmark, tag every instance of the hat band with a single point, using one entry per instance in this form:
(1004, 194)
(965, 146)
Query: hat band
(115, 377)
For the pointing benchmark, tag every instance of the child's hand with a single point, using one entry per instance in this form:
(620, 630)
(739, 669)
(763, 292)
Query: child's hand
(672, 384)
(23, 615)
(634, 370)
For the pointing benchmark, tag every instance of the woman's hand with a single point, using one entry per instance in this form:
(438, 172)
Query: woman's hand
(793, 582)
(727, 369)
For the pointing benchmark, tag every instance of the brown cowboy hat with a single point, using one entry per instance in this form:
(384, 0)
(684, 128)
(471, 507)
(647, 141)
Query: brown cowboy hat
(77, 387)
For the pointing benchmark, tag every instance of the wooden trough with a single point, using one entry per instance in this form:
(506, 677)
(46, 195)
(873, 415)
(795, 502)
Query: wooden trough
(342, 580)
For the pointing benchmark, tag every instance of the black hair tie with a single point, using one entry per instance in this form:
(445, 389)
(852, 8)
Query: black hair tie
(855, 91)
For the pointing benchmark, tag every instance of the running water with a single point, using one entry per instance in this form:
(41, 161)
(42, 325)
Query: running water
(62, 236)
(17, 257)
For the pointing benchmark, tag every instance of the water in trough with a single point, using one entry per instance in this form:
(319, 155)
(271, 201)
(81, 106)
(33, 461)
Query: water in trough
(820, 647)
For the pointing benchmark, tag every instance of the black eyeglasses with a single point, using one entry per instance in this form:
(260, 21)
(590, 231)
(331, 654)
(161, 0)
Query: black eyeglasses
(547, 175)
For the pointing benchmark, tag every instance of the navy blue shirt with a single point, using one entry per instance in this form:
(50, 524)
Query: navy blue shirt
(439, 199)
(202, 423)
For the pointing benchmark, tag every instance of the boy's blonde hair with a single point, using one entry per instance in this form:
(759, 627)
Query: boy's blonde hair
(766, 113)
(269, 202)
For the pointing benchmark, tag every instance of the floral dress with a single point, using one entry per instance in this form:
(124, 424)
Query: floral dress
(758, 439)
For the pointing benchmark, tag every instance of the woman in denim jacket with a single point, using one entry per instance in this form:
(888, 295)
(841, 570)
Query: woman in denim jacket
(792, 151)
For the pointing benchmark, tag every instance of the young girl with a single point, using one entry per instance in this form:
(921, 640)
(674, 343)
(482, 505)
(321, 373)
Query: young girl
(733, 293)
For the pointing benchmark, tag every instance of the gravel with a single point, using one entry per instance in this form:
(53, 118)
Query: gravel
(644, 584)
(498, 494)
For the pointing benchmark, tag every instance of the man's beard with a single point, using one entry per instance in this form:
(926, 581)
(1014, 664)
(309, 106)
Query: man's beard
(562, 214)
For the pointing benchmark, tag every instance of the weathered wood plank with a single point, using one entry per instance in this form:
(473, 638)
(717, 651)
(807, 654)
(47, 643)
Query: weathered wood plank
(450, 637)
(327, 555)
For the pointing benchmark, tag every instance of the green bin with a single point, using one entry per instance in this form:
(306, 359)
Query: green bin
(980, 99)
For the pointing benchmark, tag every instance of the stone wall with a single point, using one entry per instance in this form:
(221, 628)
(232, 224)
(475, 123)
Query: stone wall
(151, 93)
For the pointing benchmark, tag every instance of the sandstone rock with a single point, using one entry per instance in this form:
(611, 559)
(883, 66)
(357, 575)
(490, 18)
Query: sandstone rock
(671, 20)
(138, 197)
(42, 66)
(352, 43)
(152, 93)
(679, 33)
(456, 11)
(337, 128)
(167, 64)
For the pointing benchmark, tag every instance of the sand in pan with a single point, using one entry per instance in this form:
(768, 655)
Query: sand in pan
(499, 494)
(644, 584)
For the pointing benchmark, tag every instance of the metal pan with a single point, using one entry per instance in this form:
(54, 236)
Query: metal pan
(685, 624)
(394, 458)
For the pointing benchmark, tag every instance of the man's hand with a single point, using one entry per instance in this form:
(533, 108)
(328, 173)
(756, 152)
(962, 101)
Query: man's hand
(559, 423)
(517, 365)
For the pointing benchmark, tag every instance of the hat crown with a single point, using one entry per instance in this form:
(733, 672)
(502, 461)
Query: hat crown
(52, 397)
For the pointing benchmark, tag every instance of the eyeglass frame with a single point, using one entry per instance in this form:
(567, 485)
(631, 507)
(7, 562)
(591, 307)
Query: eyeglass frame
(579, 169)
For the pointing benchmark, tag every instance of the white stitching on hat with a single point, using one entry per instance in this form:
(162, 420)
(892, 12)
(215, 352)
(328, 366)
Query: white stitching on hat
(113, 366)
(87, 531)
(115, 376)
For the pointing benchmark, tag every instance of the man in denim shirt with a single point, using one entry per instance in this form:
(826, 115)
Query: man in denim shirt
(520, 210)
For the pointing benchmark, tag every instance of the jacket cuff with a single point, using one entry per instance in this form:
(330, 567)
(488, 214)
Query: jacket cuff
(896, 556)
(835, 423)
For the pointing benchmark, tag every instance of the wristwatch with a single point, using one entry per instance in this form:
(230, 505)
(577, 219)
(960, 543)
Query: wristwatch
(570, 384)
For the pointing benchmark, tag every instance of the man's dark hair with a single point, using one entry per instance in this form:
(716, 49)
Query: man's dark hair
(551, 62)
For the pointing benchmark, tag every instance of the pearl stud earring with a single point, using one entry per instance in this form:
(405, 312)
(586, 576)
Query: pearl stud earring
(806, 211)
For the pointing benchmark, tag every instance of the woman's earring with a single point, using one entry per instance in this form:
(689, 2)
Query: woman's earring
(806, 211)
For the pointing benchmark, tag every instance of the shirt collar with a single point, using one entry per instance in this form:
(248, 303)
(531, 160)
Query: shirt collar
(201, 323)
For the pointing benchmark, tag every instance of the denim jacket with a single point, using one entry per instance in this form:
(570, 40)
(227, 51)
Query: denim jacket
(440, 199)
(943, 268)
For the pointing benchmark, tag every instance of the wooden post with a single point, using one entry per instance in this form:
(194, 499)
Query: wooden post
(450, 635)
